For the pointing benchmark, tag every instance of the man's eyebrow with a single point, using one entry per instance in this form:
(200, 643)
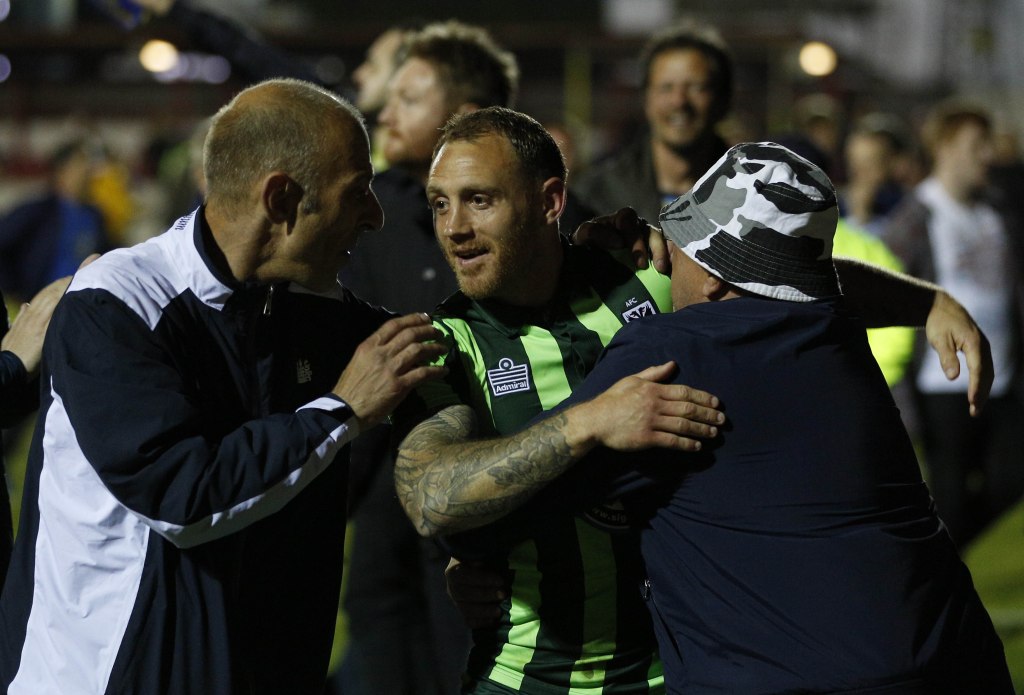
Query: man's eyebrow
(463, 192)
(491, 191)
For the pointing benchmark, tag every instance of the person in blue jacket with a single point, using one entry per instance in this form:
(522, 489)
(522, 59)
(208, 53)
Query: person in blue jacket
(799, 551)
(184, 515)
(46, 238)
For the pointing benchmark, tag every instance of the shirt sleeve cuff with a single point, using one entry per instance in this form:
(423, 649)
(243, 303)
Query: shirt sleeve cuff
(12, 371)
(336, 408)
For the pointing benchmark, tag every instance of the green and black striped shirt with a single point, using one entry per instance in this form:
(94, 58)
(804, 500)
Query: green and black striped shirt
(575, 621)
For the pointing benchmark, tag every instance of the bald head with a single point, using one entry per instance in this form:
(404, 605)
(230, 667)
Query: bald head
(277, 125)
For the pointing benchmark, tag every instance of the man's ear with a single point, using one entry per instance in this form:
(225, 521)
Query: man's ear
(466, 107)
(281, 197)
(714, 288)
(553, 194)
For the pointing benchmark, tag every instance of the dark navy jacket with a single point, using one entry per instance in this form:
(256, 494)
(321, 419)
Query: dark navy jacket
(401, 267)
(184, 509)
(627, 178)
(801, 551)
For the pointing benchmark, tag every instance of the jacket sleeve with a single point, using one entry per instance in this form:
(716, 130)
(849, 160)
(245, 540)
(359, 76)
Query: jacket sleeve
(19, 395)
(121, 404)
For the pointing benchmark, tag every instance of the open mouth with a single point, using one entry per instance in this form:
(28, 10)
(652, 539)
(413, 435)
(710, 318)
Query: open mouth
(468, 257)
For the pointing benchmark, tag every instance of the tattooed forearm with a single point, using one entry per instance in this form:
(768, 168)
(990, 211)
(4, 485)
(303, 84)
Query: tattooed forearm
(448, 482)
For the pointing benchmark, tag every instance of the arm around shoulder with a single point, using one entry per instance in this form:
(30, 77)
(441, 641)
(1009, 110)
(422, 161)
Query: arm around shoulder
(449, 482)
(886, 298)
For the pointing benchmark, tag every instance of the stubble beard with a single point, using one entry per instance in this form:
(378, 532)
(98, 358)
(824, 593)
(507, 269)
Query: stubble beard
(506, 270)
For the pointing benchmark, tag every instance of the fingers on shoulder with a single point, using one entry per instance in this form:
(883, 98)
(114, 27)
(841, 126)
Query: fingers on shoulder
(395, 327)
(695, 396)
(670, 440)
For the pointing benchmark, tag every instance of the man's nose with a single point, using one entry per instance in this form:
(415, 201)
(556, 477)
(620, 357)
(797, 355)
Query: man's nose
(456, 222)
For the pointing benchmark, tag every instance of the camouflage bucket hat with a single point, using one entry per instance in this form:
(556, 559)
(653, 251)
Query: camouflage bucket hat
(762, 219)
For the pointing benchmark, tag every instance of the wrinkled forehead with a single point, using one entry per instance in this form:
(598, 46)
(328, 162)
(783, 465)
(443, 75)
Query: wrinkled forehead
(487, 155)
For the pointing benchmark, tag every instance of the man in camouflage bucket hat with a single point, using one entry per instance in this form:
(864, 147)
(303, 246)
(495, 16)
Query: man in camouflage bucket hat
(800, 551)
(762, 219)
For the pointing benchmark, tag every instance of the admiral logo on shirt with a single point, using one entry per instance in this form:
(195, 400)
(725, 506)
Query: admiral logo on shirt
(636, 311)
(508, 377)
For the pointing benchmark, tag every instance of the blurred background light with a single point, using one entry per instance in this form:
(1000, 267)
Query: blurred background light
(159, 56)
(817, 59)
(214, 69)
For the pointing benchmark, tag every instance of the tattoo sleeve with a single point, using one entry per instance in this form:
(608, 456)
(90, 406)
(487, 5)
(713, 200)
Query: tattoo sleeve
(448, 482)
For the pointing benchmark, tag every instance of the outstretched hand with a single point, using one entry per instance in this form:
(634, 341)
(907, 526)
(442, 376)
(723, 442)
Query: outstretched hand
(626, 229)
(950, 329)
(388, 365)
(638, 412)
